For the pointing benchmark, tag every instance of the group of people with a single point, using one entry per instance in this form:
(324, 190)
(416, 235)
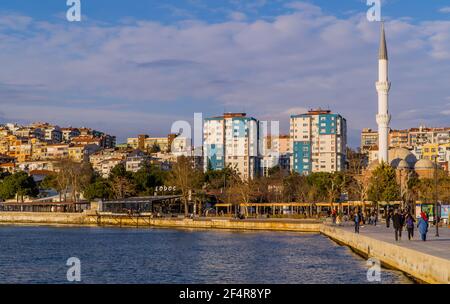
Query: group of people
(401, 219)
(360, 219)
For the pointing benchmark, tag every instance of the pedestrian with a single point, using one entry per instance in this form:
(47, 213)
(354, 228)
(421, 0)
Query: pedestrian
(388, 218)
(357, 219)
(410, 225)
(397, 223)
(375, 218)
(423, 226)
(333, 216)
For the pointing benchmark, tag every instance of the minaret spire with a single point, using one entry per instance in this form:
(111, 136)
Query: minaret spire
(383, 86)
(382, 53)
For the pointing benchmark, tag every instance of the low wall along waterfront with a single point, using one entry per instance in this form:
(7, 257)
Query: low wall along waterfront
(424, 267)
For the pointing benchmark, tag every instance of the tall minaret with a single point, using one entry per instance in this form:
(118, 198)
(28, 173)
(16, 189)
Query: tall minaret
(383, 86)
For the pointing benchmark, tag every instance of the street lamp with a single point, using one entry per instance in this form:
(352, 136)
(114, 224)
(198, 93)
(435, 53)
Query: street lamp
(436, 204)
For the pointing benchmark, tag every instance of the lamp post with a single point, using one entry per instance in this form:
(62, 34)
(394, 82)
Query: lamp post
(436, 204)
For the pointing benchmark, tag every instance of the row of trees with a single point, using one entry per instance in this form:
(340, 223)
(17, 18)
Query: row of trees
(72, 179)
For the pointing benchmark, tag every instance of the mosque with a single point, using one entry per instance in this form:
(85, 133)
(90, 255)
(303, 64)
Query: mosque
(401, 159)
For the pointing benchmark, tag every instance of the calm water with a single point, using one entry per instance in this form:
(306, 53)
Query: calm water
(110, 255)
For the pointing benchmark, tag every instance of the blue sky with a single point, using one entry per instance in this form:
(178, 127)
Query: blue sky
(137, 66)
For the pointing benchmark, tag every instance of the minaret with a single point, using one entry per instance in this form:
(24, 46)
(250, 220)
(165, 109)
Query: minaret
(383, 86)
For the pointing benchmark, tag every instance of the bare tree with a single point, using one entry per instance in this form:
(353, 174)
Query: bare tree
(185, 178)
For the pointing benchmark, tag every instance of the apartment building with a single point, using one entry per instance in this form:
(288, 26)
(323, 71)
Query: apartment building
(369, 138)
(423, 135)
(69, 133)
(398, 139)
(146, 143)
(318, 142)
(233, 140)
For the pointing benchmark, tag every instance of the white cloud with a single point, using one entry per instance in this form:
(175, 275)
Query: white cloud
(300, 60)
(445, 10)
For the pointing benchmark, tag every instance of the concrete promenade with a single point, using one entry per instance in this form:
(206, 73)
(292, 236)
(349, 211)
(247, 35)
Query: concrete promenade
(436, 246)
(427, 262)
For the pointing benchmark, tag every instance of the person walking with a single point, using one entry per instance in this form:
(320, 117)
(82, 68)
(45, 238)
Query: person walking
(410, 225)
(357, 219)
(388, 218)
(333, 216)
(423, 226)
(397, 223)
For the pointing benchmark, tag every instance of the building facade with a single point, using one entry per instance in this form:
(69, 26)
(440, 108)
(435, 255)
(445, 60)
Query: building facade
(233, 140)
(369, 138)
(318, 142)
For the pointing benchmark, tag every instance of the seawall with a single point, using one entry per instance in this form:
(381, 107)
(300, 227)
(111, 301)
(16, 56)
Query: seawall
(127, 221)
(423, 267)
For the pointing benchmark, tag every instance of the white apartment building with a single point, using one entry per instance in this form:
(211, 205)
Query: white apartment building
(318, 142)
(233, 140)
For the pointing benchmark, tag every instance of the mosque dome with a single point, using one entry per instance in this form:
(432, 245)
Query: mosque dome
(424, 164)
(403, 165)
(396, 155)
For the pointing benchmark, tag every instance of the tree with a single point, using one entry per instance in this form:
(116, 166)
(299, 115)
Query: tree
(155, 148)
(70, 178)
(383, 185)
(19, 184)
(356, 161)
(100, 188)
(121, 182)
(7, 188)
(4, 174)
(185, 178)
(148, 177)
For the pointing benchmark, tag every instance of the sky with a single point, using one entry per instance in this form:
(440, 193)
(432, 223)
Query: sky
(133, 67)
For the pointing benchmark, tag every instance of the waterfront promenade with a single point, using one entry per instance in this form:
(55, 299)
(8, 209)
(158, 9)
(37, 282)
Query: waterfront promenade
(436, 246)
(425, 261)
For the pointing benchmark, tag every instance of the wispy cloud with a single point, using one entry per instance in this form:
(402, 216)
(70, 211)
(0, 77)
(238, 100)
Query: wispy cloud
(445, 10)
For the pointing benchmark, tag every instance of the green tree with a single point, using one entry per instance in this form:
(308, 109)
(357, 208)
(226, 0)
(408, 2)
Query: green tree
(100, 188)
(4, 174)
(383, 186)
(148, 177)
(19, 184)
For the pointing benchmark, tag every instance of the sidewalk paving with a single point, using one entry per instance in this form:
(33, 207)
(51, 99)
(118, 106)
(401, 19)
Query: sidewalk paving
(436, 246)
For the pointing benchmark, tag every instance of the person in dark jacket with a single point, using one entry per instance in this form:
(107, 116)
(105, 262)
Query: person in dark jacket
(357, 219)
(388, 218)
(397, 222)
(410, 225)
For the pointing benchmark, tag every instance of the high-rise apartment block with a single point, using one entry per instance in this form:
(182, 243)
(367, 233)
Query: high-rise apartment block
(318, 142)
(233, 140)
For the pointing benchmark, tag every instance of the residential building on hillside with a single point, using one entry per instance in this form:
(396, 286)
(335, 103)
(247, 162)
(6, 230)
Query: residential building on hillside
(69, 133)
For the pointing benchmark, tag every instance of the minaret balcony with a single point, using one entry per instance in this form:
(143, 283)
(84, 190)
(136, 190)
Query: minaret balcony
(383, 119)
(383, 86)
